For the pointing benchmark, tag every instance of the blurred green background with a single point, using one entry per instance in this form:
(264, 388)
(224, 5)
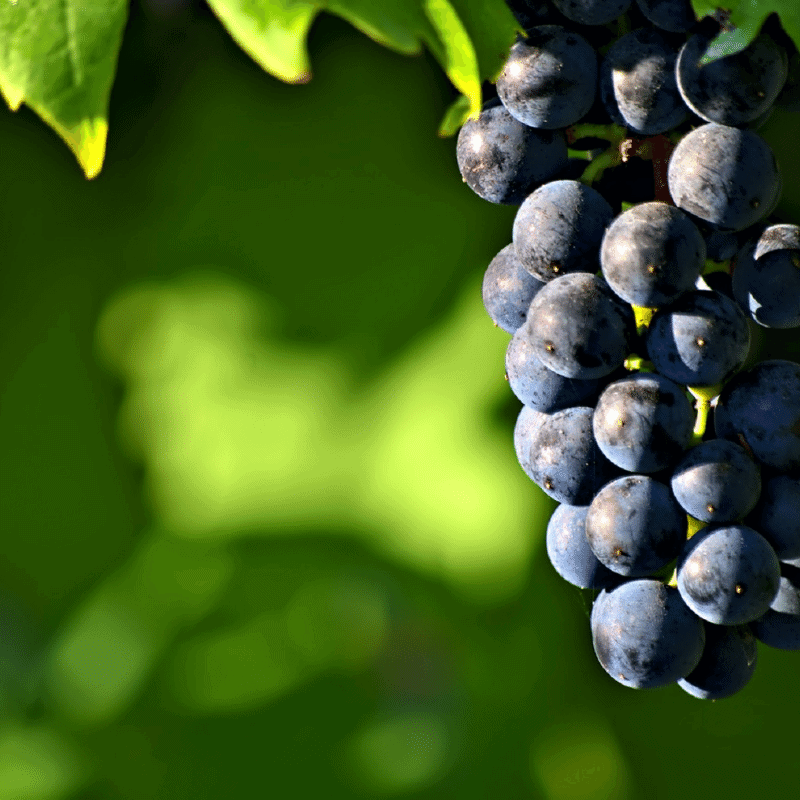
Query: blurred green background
(264, 533)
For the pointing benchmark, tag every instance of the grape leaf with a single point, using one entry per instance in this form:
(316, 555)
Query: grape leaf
(59, 58)
(272, 32)
(469, 38)
(746, 18)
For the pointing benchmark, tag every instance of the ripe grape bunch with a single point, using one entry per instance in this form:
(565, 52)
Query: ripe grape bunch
(645, 253)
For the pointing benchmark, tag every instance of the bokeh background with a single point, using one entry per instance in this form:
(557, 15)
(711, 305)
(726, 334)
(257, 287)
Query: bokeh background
(263, 529)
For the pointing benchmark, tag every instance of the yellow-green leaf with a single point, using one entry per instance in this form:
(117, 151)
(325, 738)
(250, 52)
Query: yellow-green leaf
(460, 61)
(469, 38)
(59, 58)
(272, 32)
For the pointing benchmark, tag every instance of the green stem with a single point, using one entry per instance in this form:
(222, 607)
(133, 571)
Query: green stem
(703, 396)
(593, 172)
(701, 421)
(716, 266)
(636, 363)
(643, 318)
(611, 133)
(692, 527)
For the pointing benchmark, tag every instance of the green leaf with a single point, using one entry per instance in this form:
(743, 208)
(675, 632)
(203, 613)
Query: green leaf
(59, 58)
(272, 32)
(492, 28)
(460, 61)
(402, 26)
(469, 38)
(455, 116)
(746, 18)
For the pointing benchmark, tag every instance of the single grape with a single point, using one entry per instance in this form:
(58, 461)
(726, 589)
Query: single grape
(777, 515)
(735, 89)
(727, 664)
(502, 160)
(558, 229)
(643, 422)
(651, 254)
(537, 386)
(508, 290)
(728, 575)
(569, 552)
(723, 175)
(702, 339)
(766, 277)
(528, 422)
(550, 79)
(760, 409)
(644, 635)
(637, 83)
(780, 625)
(579, 328)
(565, 461)
(717, 481)
(634, 526)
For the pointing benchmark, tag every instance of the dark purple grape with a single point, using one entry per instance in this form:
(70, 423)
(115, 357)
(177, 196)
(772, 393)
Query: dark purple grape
(735, 89)
(579, 328)
(528, 422)
(592, 12)
(780, 625)
(559, 228)
(717, 481)
(760, 409)
(530, 13)
(644, 635)
(652, 254)
(702, 339)
(550, 79)
(777, 515)
(676, 16)
(725, 176)
(569, 552)
(537, 386)
(637, 83)
(727, 664)
(565, 461)
(508, 290)
(728, 575)
(634, 526)
(643, 422)
(502, 160)
(766, 277)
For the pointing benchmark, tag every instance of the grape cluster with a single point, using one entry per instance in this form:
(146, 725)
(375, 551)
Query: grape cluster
(644, 253)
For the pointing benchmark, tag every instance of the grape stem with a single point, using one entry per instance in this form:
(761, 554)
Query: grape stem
(622, 148)
(598, 165)
(643, 318)
(634, 363)
(703, 396)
